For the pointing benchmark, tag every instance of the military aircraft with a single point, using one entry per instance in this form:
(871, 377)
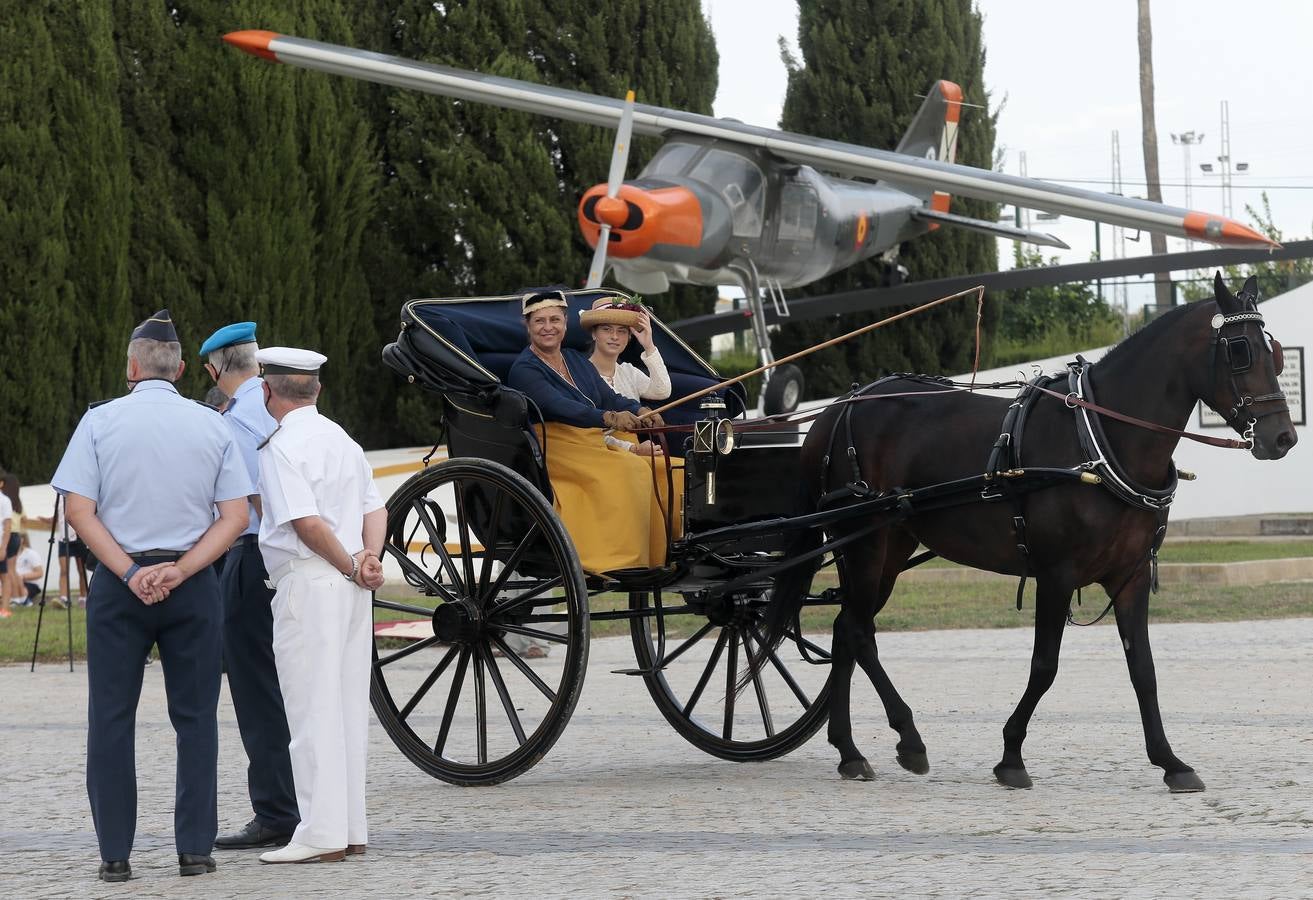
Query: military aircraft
(727, 203)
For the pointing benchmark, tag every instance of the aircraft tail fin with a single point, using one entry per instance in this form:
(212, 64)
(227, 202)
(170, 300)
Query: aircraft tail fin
(933, 135)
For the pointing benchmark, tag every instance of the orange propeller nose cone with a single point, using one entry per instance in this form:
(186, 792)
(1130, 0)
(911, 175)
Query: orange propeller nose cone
(613, 211)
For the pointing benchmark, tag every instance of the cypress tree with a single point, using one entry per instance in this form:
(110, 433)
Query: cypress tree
(268, 181)
(166, 256)
(864, 63)
(36, 406)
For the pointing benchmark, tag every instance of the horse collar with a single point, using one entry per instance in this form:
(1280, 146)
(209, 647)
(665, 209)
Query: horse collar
(1101, 459)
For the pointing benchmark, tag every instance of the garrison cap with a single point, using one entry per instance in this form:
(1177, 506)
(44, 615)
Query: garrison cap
(289, 361)
(158, 327)
(229, 336)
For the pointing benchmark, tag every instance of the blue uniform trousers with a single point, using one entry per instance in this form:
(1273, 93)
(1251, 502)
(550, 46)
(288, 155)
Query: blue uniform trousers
(248, 653)
(120, 631)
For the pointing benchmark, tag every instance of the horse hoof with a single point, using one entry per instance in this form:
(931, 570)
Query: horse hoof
(916, 763)
(1183, 782)
(1013, 778)
(856, 770)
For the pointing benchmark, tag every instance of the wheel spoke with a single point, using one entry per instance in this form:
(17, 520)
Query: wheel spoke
(463, 528)
(403, 608)
(480, 708)
(505, 696)
(423, 577)
(731, 687)
(520, 664)
(453, 698)
(489, 546)
(763, 702)
(513, 560)
(534, 633)
(406, 651)
(428, 682)
(706, 673)
(699, 635)
(512, 603)
(784, 672)
(437, 541)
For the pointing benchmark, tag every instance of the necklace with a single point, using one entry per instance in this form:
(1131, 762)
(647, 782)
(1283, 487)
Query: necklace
(563, 370)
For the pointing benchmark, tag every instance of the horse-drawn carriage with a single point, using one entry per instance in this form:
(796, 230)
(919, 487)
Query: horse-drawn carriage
(720, 632)
(477, 538)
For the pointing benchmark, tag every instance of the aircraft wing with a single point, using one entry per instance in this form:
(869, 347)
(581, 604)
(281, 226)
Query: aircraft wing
(832, 156)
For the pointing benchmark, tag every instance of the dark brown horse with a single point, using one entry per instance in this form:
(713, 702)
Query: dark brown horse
(1076, 534)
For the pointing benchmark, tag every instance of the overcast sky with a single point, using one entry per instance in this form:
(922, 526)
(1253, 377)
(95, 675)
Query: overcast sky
(1067, 76)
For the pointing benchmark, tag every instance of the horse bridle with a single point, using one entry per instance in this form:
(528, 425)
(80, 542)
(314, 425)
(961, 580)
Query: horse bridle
(1240, 359)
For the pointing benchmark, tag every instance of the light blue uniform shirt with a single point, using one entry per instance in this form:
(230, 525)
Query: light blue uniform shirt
(251, 424)
(155, 464)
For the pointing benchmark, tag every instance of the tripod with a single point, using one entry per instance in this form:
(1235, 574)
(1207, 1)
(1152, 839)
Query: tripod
(41, 611)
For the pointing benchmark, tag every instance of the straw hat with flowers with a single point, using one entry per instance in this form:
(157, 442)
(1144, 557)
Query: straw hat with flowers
(613, 311)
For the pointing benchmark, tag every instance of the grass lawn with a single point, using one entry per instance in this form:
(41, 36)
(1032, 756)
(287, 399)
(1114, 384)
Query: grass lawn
(1210, 552)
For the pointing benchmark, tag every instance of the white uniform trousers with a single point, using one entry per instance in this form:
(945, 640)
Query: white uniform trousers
(322, 649)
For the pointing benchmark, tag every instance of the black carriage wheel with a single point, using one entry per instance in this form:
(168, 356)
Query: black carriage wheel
(702, 659)
(484, 557)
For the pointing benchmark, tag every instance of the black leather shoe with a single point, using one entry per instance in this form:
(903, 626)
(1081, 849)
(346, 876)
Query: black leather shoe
(253, 835)
(115, 870)
(194, 864)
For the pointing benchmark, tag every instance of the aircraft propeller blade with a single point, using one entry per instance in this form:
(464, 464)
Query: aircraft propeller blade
(620, 155)
(606, 212)
(849, 160)
(597, 270)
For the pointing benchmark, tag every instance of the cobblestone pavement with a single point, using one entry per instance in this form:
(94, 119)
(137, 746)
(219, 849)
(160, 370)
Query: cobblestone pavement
(624, 807)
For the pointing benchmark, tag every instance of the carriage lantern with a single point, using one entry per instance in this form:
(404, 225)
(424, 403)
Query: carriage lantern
(712, 437)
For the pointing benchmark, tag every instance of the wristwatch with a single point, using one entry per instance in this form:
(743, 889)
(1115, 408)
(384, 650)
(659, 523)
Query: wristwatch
(355, 569)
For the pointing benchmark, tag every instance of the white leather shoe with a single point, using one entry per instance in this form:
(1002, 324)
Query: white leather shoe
(300, 853)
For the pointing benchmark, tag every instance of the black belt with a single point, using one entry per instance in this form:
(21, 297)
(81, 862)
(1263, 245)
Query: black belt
(155, 557)
(247, 540)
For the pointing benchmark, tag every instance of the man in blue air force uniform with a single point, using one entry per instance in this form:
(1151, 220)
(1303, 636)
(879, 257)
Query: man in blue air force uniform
(248, 623)
(142, 477)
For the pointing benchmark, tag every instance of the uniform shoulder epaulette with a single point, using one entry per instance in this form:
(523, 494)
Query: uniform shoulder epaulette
(209, 406)
(91, 406)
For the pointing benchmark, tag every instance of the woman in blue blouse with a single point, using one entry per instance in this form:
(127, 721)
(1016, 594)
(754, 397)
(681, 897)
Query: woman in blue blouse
(612, 502)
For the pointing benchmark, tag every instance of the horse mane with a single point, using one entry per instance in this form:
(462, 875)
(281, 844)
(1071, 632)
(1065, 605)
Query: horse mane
(1126, 346)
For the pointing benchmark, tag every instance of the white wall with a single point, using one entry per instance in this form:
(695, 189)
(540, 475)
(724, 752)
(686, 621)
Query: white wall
(1232, 482)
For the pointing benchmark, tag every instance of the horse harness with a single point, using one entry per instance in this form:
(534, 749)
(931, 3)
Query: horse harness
(1240, 359)
(1004, 478)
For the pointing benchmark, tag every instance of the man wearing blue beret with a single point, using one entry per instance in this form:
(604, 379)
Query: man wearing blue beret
(248, 653)
(142, 478)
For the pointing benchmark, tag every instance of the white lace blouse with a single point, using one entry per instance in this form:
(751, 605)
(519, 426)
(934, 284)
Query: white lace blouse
(630, 381)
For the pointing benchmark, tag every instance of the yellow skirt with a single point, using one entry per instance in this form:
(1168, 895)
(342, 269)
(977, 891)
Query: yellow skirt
(614, 504)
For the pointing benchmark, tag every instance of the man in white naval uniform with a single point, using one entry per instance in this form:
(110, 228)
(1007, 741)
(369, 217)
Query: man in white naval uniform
(321, 536)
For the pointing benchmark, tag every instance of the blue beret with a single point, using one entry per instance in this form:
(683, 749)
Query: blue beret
(227, 336)
(158, 327)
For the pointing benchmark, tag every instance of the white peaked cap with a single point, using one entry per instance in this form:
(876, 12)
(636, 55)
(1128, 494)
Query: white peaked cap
(289, 360)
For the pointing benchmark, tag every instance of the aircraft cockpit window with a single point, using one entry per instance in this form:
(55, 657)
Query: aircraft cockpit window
(671, 159)
(798, 210)
(740, 183)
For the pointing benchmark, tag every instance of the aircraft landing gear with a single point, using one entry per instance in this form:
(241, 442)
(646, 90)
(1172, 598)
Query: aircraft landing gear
(781, 388)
